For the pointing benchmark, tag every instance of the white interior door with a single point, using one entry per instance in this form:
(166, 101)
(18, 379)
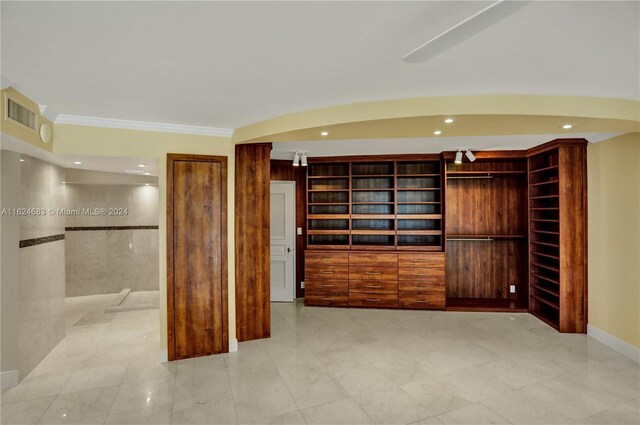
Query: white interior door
(283, 240)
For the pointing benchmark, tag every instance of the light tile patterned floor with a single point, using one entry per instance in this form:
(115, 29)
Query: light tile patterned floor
(332, 366)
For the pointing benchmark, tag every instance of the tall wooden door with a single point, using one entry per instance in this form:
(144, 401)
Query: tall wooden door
(197, 253)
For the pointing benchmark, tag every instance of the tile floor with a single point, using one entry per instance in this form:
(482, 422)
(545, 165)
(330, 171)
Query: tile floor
(331, 366)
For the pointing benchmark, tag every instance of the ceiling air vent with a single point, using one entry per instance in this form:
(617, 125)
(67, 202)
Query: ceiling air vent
(21, 115)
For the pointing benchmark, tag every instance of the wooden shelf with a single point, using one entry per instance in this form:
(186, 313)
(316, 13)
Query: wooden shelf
(388, 189)
(545, 301)
(418, 175)
(543, 289)
(371, 176)
(544, 209)
(328, 216)
(545, 220)
(327, 232)
(373, 216)
(555, 257)
(544, 197)
(327, 177)
(419, 232)
(326, 190)
(419, 216)
(545, 267)
(372, 232)
(546, 232)
(540, 170)
(419, 203)
(328, 203)
(543, 183)
(546, 244)
(548, 279)
(487, 236)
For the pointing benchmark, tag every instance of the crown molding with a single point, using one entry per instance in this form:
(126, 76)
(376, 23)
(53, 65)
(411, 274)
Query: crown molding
(48, 113)
(142, 125)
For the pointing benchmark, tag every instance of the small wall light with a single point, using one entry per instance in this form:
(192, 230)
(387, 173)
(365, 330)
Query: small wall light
(470, 155)
(458, 159)
(296, 159)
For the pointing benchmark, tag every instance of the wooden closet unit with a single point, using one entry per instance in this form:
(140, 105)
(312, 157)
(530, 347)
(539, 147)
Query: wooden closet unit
(557, 232)
(506, 232)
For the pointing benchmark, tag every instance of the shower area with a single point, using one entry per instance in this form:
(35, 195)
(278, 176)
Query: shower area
(111, 245)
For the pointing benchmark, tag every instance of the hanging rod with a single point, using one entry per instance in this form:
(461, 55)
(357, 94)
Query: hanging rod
(471, 239)
(469, 177)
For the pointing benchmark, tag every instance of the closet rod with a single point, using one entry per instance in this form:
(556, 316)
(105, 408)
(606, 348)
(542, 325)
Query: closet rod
(471, 239)
(469, 177)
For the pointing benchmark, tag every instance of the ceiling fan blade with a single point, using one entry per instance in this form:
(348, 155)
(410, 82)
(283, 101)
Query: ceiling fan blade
(464, 30)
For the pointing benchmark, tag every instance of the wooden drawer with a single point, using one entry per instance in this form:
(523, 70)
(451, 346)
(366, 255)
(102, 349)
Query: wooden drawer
(326, 287)
(421, 260)
(421, 300)
(328, 272)
(373, 259)
(434, 275)
(326, 258)
(330, 300)
(376, 286)
(421, 285)
(373, 273)
(362, 299)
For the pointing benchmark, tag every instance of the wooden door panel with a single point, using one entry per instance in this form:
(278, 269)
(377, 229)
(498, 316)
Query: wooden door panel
(196, 247)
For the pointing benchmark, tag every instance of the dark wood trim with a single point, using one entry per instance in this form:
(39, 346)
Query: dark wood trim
(252, 221)
(171, 158)
(495, 155)
(375, 158)
(556, 143)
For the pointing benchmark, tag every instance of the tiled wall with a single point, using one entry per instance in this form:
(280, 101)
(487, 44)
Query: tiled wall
(100, 261)
(42, 263)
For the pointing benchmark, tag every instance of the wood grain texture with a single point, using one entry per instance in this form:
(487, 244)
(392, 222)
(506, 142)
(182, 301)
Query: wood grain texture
(573, 238)
(197, 297)
(252, 189)
(285, 171)
(479, 269)
(496, 206)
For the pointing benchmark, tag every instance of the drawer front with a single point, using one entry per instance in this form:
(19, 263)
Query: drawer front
(374, 286)
(361, 299)
(326, 286)
(373, 273)
(421, 285)
(433, 259)
(373, 259)
(421, 300)
(326, 272)
(326, 258)
(330, 300)
(424, 275)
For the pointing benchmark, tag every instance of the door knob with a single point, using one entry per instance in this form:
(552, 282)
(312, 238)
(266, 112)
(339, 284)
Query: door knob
(289, 249)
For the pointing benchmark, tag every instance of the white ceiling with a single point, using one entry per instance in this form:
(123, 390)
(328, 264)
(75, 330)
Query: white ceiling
(111, 164)
(285, 150)
(227, 64)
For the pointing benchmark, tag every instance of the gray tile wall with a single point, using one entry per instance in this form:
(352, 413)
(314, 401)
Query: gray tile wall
(106, 261)
(42, 267)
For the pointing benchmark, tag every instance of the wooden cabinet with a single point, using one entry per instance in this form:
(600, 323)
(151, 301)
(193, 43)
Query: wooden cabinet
(375, 280)
(327, 279)
(421, 281)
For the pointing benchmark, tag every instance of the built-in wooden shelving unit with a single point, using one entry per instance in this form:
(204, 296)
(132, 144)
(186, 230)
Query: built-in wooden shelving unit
(375, 205)
(557, 235)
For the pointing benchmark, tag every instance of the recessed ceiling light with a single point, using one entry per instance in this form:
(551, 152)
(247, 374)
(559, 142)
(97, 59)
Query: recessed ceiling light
(437, 132)
(63, 182)
(567, 126)
(324, 133)
(21, 160)
(147, 174)
(146, 184)
(448, 120)
(77, 162)
(141, 165)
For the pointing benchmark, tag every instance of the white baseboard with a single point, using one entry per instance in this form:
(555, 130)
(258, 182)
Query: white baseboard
(164, 355)
(8, 379)
(615, 343)
(233, 345)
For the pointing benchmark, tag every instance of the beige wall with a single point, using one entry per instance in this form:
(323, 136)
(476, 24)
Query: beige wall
(614, 237)
(81, 140)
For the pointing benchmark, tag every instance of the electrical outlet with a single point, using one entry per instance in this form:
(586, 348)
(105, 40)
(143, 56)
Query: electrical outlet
(299, 230)
(302, 284)
(512, 289)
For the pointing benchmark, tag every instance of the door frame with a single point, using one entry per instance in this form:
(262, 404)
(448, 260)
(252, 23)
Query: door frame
(222, 160)
(295, 228)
